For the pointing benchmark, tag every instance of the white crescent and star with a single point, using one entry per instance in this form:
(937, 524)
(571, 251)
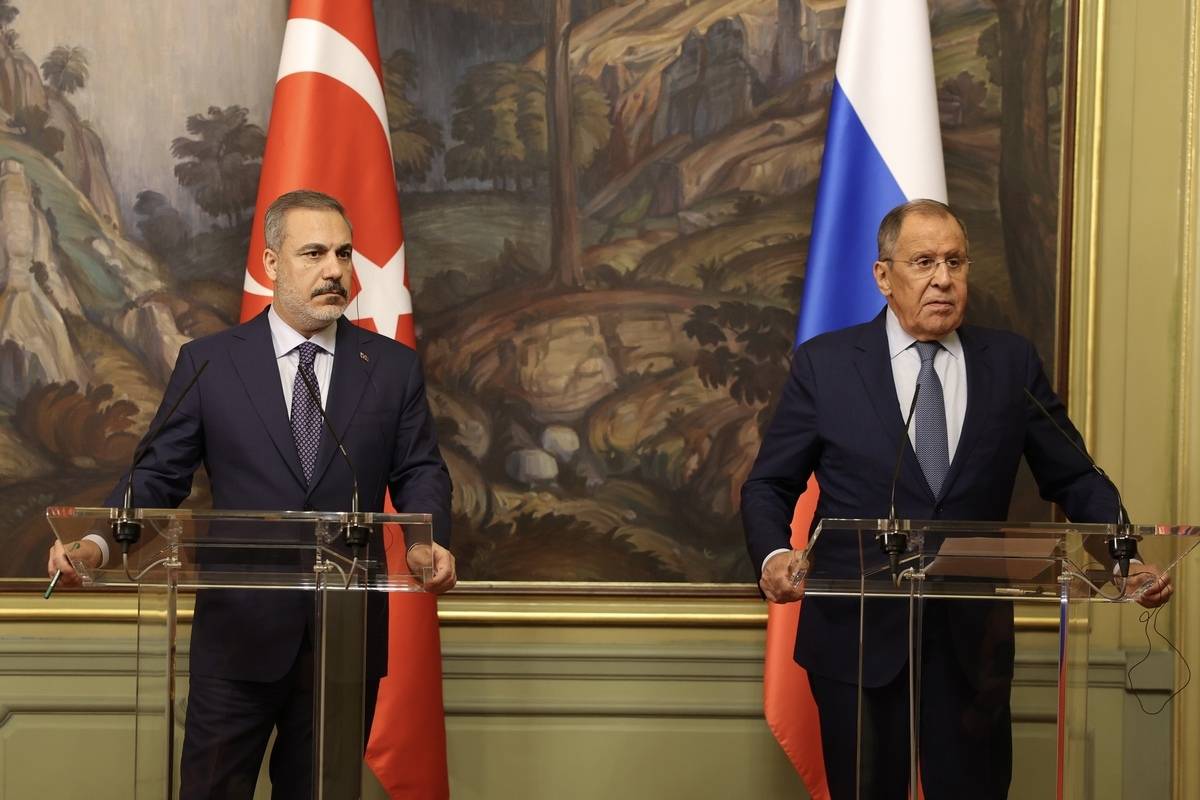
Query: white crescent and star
(383, 296)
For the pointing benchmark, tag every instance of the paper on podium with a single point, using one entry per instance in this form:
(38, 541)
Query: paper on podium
(1016, 559)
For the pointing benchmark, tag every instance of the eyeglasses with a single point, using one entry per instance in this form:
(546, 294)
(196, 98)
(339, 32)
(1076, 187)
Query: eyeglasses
(925, 265)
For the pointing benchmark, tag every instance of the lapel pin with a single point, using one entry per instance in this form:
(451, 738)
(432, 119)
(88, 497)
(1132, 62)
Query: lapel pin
(363, 356)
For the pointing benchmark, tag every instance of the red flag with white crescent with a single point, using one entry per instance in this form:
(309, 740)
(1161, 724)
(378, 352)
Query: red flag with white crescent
(328, 131)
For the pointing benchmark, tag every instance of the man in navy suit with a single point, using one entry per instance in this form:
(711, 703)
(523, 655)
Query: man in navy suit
(841, 418)
(251, 420)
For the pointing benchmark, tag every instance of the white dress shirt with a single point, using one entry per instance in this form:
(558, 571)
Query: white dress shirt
(950, 364)
(286, 340)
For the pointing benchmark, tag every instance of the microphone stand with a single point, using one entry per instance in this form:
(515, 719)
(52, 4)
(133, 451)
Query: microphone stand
(1123, 545)
(892, 540)
(127, 530)
(355, 532)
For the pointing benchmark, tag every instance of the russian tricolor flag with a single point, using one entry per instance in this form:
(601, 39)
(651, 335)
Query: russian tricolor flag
(882, 147)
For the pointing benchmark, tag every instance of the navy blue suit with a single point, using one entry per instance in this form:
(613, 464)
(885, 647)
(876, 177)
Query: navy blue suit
(236, 423)
(839, 417)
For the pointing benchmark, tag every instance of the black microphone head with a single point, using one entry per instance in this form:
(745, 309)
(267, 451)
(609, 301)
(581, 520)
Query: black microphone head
(357, 536)
(1123, 549)
(127, 532)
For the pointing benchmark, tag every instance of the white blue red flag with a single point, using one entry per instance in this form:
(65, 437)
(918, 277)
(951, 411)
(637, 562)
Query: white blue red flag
(882, 147)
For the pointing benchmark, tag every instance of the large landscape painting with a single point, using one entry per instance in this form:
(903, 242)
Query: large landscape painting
(606, 260)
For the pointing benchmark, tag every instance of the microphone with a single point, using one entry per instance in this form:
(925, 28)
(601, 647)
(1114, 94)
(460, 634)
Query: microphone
(355, 532)
(892, 541)
(1123, 546)
(125, 530)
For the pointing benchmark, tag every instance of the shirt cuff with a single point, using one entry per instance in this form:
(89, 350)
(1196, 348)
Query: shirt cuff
(102, 543)
(771, 555)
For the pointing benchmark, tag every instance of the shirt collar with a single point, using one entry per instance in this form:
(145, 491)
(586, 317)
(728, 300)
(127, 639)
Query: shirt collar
(900, 340)
(285, 338)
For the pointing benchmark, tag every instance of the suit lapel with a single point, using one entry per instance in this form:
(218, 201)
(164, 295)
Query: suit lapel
(979, 410)
(254, 359)
(874, 365)
(352, 366)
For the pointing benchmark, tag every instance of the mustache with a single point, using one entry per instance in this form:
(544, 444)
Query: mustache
(330, 287)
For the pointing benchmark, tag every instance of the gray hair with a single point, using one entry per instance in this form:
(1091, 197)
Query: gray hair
(889, 228)
(300, 198)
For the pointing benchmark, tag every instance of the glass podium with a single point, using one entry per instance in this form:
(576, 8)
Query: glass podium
(243, 567)
(958, 586)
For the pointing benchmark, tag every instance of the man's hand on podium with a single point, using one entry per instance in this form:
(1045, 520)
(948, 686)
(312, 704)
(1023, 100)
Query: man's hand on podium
(1159, 584)
(783, 576)
(84, 551)
(444, 577)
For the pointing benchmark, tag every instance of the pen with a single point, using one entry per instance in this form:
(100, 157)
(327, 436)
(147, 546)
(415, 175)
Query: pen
(53, 584)
(801, 572)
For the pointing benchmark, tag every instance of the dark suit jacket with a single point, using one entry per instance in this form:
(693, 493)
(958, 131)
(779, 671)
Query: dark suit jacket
(839, 417)
(236, 423)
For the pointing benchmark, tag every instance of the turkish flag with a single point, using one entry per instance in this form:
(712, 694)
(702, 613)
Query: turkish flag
(329, 132)
(788, 704)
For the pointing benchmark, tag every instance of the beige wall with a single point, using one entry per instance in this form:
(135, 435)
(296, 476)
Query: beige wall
(1135, 335)
(583, 698)
(544, 699)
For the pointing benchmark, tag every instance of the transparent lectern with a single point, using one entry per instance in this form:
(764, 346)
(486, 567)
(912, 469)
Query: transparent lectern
(963, 579)
(240, 559)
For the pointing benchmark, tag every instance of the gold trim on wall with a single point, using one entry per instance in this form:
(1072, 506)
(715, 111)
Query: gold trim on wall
(1089, 108)
(653, 589)
(1184, 726)
(533, 617)
(1187, 268)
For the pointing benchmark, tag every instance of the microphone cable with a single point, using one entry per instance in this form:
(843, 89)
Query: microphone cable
(1149, 620)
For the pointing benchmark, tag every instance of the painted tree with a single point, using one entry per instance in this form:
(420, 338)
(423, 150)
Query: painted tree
(500, 120)
(1017, 52)
(560, 96)
(591, 127)
(415, 138)
(8, 13)
(746, 349)
(66, 69)
(162, 227)
(565, 241)
(531, 122)
(487, 112)
(221, 163)
(965, 95)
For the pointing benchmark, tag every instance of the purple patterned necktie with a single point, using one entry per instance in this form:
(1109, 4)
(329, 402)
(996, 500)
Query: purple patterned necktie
(306, 416)
(933, 448)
